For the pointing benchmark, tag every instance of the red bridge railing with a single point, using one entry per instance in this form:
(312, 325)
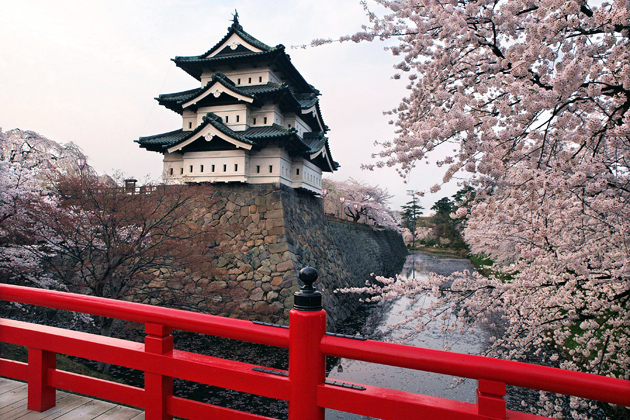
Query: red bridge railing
(304, 386)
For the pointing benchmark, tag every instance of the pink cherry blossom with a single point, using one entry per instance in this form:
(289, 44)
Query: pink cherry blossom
(534, 98)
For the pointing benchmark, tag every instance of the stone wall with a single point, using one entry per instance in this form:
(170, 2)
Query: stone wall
(271, 232)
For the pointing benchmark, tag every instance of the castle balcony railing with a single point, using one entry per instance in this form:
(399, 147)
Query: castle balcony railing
(304, 385)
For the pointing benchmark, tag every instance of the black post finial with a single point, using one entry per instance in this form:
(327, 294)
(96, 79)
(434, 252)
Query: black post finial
(235, 18)
(308, 298)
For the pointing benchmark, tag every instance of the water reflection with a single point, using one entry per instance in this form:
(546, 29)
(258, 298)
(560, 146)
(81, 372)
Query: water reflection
(382, 316)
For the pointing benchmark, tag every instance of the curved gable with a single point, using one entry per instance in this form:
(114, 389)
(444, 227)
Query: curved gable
(208, 133)
(217, 87)
(232, 45)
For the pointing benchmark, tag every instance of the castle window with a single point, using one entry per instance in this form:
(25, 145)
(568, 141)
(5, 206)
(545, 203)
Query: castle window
(170, 171)
(190, 168)
(254, 121)
(237, 118)
(236, 167)
(297, 171)
(265, 120)
(189, 124)
(270, 168)
(257, 169)
(227, 118)
(181, 171)
(212, 168)
(201, 168)
(260, 79)
(238, 82)
(250, 81)
(289, 125)
(224, 168)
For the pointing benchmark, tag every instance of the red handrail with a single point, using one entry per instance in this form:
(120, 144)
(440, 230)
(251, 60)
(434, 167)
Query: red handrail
(236, 329)
(579, 384)
(304, 386)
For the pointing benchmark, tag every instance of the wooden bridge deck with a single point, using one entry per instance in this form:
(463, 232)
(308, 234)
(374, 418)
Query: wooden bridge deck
(69, 406)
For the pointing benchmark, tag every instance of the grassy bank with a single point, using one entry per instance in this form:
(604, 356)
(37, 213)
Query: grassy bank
(440, 251)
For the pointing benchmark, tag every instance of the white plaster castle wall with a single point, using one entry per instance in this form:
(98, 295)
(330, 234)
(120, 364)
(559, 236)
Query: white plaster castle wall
(189, 120)
(248, 77)
(215, 166)
(269, 111)
(306, 175)
(173, 168)
(272, 164)
(293, 121)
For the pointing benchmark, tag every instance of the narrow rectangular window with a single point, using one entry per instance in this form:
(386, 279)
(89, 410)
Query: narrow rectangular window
(265, 120)
(170, 171)
(224, 168)
(236, 167)
(297, 171)
(212, 168)
(250, 81)
(257, 169)
(237, 118)
(201, 168)
(270, 168)
(260, 79)
(189, 124)
(238, 82)
(227, 118)
(254, 121)
(181, 171)
(190, 168)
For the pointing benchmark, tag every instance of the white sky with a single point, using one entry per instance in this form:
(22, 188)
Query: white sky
(88, 72)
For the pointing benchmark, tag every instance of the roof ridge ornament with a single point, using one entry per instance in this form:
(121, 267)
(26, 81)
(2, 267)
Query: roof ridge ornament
(235, 24)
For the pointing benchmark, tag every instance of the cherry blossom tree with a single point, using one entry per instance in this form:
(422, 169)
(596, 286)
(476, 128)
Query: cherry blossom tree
(104, 241)
(531, 100)
(360, 202)
(17, 188)
(63, 226)
(29, 164)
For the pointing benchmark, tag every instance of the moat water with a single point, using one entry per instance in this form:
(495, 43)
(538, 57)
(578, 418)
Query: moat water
(376, 325)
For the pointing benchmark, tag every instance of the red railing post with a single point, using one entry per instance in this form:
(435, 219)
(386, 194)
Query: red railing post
(41, 397)
(307, 364)
(157, 387)
(490, 399)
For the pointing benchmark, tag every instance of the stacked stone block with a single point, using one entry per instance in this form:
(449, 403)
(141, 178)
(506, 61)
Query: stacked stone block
(270, 232)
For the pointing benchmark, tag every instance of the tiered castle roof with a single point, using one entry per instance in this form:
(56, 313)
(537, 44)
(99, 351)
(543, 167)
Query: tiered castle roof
(293, 95)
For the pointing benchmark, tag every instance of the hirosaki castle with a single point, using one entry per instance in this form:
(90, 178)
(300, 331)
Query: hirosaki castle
(253, 120)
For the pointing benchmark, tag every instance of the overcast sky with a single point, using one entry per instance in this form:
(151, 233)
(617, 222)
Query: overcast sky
(88, 72)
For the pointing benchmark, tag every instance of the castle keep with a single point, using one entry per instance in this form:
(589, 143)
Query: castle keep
(253, 120)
